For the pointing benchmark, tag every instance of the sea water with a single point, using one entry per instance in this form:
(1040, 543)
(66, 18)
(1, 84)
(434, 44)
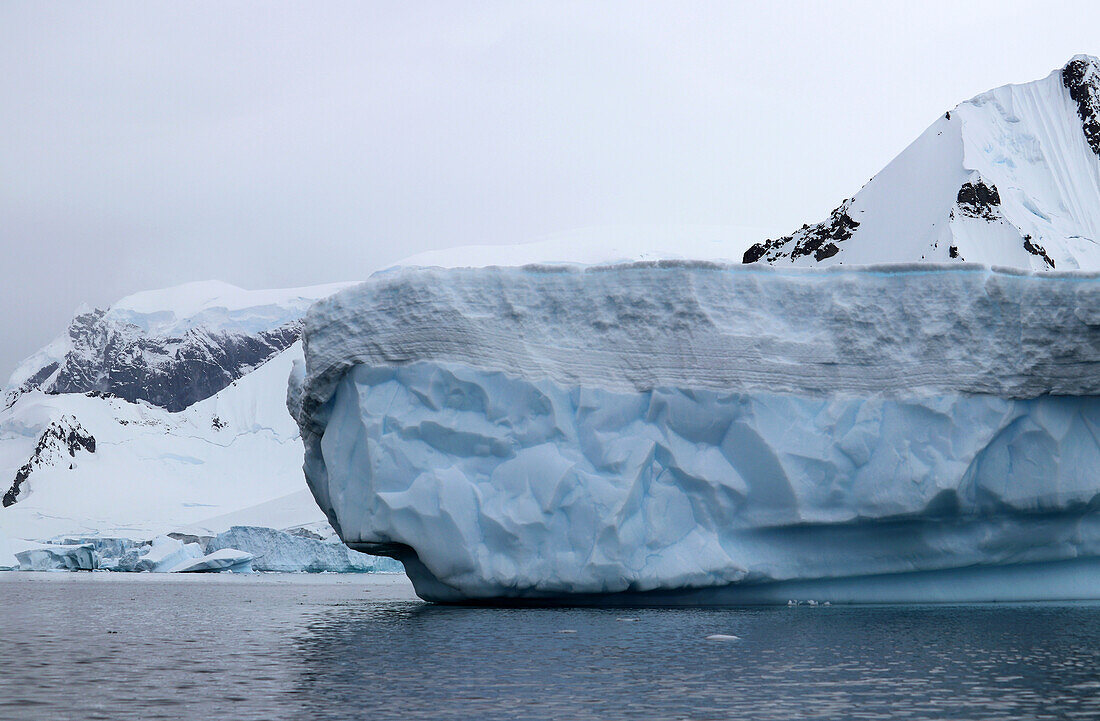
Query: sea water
(266, 646)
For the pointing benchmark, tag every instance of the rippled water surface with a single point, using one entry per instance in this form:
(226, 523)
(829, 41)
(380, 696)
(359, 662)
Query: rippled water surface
(127, 646)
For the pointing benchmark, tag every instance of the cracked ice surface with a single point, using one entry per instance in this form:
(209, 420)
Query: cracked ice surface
(537, 432)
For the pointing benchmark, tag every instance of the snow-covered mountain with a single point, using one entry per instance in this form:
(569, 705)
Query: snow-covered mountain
(163, 413)
(1010, 177)
(170, 347)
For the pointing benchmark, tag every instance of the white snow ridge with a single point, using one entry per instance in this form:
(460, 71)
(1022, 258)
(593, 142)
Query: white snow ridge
(694, 432)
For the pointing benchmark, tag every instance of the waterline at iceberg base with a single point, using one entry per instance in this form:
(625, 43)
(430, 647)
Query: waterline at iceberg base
(697, 433)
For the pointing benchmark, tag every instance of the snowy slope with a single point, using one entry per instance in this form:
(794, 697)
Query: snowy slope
(1010, 177)
(164, 412)
(153, 471)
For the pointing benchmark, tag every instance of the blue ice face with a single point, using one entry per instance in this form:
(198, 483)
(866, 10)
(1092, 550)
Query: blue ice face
(503, 485)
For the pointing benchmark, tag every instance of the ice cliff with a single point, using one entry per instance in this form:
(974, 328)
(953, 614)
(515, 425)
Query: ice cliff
(671, 428)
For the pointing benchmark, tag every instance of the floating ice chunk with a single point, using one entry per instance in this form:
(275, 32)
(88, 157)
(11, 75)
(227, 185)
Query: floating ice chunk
(722, 637)
(111, 549)
(281, 551)
(50, 557)
(161, 555)
(225, 559)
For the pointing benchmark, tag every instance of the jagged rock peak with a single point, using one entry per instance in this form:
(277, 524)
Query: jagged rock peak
(819, 240)
(172, 372)
(1081, 76)
(977, 199)
(62, 439)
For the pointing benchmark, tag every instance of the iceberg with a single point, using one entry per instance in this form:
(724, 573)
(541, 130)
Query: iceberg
(158, 556)
(299, 551)
(703, 433)
(898, 403)
(225, 559)
(289, 553)
(55, 557)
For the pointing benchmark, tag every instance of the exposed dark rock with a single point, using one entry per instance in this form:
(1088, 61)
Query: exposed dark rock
(953, 251)
(756, 252)
(979, 200)
(818, 240)
(40, 377)
(63, 437)
(1081, 76)
(113, 359)
(20, 478)
(1038, 250)
(305, 533)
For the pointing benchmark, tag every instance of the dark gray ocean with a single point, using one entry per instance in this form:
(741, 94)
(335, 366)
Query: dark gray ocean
(140, 646)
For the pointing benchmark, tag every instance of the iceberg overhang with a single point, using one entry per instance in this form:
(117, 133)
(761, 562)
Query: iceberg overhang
(694, 432)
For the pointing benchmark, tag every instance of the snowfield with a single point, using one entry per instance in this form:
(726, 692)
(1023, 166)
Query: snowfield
(154, 471)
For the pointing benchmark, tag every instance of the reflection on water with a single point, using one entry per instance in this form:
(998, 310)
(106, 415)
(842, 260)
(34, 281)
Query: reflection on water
(884, 662)
(326, 647)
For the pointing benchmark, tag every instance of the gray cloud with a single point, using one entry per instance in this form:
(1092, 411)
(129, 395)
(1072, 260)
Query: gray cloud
(267, 144)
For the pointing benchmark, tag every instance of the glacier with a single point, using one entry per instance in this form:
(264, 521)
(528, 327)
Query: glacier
(698, 432)
(283, 552)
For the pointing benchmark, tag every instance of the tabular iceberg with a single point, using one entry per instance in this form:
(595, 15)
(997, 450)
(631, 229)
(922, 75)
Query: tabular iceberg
(693, 432)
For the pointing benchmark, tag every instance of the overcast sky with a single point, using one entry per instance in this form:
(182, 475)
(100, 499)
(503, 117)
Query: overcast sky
(269, 144)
